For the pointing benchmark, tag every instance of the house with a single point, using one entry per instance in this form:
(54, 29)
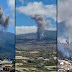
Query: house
(5, 70)
(6, 63)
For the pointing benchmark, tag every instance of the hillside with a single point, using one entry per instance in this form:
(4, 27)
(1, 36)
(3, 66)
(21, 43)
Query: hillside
(36, 53)
(7, 45)
(30, 42)
(47, 35)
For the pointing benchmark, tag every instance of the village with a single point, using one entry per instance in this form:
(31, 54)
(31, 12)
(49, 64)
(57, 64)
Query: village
(33, 61)
(64, 65)
(7, 65)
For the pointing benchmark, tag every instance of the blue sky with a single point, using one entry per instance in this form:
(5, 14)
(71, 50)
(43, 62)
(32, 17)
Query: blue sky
(8, 10)
(22, 19)
(45, 2)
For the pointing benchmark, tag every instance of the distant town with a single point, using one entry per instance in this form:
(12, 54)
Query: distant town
(35, 61)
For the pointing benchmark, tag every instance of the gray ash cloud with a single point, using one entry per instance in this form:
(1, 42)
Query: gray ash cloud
(41, 24)
(4, 22)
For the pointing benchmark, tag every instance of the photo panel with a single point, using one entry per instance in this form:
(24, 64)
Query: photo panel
(36, 36)
(64, 45)
(7, 35)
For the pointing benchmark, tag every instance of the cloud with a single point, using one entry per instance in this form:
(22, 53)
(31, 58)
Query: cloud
(38, 8)
(22, 2)
(28, 29)
(11, 4)
(51, 28)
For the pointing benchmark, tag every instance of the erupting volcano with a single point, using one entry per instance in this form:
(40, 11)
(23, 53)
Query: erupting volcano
(4, 22)
(41, 23)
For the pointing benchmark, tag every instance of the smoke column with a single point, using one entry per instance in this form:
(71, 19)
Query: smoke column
(41, 23)
(38, 11)
(65, 27)
(65, 17)
(4, 22)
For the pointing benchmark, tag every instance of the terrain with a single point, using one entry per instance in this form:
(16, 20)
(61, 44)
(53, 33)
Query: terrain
(7, 45)
(33, 55)
(30, 41)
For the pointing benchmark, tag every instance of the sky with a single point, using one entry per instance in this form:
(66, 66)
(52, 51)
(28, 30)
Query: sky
(8, 7)
(26, 8)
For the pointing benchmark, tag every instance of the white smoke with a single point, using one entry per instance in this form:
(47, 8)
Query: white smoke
(62, 40)
(65, 14)
(64, 10)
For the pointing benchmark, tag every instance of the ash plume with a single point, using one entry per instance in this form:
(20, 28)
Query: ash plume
(68, 26)
(65, 30)
(37, 11)
(65, 26)
(4, 22)
(65, 18)
(41, 23)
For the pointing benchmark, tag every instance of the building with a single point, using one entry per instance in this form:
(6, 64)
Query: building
(5, 65)
(5, 70)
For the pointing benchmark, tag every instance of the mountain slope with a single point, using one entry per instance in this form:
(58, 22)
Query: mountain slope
(30, 41)
(47, 35)
(7, 45)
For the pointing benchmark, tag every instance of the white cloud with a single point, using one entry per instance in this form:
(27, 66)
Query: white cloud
(29, 29)
(26, 29)
(51, 28)
(11, 4)
(38, 8)
(22, 1)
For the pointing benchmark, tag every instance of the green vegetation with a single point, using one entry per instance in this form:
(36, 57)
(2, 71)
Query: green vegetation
(41, 53)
